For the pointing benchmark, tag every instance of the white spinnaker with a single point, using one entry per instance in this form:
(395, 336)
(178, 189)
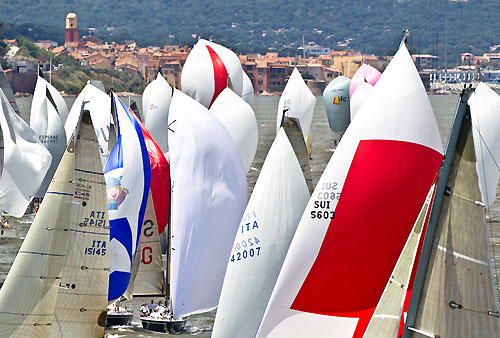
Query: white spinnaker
(26, 161)
(48, 125)
(28, 295)
(266, 230)
(155, 103)
(99, 104)
(41, 89)
(485, 112)
(247, 92)
(239, 119)
(296, 101)
(83, 288)
(209, 194)
(359, 97)
(404, 99)
(150, 277)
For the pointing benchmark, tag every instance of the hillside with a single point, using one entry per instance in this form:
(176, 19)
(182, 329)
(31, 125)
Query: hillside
(366, 25)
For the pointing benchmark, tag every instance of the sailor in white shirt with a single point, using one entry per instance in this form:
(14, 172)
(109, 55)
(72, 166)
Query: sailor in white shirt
(144, 311)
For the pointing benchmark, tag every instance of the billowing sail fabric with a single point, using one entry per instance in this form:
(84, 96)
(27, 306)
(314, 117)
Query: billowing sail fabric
(458, 299)
(160, 178)
(155, 102)
(297, 101)
(393, 151)
(128, 176)
(387, 317)
(26, 161)
(28, 295)
(365, 73)
(264, 235)
(210, 68)
(359, 97)
(150, 278)
(209, 194)
(7, 90)
(336, 99)
(83, 285)
(247, 91)
(44, 89)
(99, 104)
(485, 112)
(49, 126)
(239, 119)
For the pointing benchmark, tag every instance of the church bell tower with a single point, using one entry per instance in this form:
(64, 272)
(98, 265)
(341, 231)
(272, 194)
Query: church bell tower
(71, 35)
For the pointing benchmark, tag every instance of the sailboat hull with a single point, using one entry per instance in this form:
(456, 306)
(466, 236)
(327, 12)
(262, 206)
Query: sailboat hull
(172, 326)
(117, 319)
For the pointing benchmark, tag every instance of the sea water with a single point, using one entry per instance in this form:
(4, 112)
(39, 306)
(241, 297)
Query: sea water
(322, 149)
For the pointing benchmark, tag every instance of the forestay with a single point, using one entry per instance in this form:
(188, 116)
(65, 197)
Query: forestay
(296, 101)
(209, 194)
(28, 295)
(99, 104)
(336, 99)
(369, 195)
(155, 103)
(239, 119)
(128, 176)
(365, 73)
(25, 161)
(49, 126)
(83, 285)
(264, 235)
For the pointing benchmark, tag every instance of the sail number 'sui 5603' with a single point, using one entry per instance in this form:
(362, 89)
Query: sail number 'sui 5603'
(325, 201)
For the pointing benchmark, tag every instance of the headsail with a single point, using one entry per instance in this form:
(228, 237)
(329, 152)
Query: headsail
(336, 99)
(391, 150)
(265, 232)
(28, 296)
(155, 102)
(209, 194)
(25, 161)
(247, 92)
(48, 124)
(365, 73)
(239, 119)
(453, 294)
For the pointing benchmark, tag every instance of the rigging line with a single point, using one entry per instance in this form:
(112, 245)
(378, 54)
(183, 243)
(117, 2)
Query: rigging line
(490, 241)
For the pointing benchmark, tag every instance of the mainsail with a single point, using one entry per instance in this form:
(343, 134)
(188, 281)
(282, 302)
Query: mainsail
(99, 105)
(209, 194)
(365, 73)
(128, 176)
(155, 102)
(28, 296)
(336, 99)
(453, 294)
(48, 124)
(25, 161)
(360, 214)
(83, 284)
(297, 101)
(239, 119)
(264, 235)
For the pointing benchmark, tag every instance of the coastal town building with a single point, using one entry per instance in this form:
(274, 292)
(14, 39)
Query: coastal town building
(71, 31)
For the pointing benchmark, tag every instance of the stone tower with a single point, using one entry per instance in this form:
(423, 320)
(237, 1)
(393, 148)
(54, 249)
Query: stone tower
(71, 35)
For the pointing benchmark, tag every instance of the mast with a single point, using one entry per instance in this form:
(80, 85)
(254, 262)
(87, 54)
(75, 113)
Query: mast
(168, 298)
(435, 212)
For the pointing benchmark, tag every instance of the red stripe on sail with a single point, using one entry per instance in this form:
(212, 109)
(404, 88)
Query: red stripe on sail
(220, 74)
(160, 178)
(383, 193)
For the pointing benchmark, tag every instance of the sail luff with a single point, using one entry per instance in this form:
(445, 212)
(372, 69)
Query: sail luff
(435, 211)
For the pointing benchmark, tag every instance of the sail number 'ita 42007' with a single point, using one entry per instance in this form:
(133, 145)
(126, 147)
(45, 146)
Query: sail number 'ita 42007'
(248, 247)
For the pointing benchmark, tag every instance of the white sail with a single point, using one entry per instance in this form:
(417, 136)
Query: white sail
(296, 101)
(239, 119)
(28, 296)
(7, 90)
(99, 104)
(209, 194)
(485, 112)
(25, 161)
(392, 150)
(210, 68)
(247, 92)
(82, 297)
(359, 97)
(155, 103)
(150, 277)
(266, 230)
(44, 89)
(49, 126)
